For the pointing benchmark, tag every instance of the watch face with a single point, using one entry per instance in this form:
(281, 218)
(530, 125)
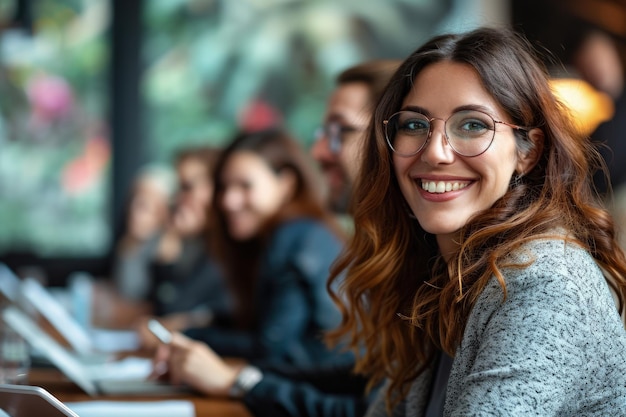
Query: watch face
(247, 379)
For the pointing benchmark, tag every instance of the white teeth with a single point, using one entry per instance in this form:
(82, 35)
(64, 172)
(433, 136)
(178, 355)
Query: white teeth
(441, 187)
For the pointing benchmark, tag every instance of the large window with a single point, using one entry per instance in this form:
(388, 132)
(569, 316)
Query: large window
(54, 146)
(206, 68)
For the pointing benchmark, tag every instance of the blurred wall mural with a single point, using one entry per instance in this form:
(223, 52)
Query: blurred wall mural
(209, 67)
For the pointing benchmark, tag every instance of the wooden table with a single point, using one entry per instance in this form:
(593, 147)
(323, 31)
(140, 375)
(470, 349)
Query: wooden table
(66, 391)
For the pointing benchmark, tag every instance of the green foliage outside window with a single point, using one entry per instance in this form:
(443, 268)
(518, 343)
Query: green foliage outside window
(209, 68)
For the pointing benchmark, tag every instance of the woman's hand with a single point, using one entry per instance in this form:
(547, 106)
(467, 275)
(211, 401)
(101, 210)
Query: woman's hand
(174, 322)
(147, 341)
(193, 363)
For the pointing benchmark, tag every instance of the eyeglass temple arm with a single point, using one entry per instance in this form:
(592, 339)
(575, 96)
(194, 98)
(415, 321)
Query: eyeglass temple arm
(511, 125)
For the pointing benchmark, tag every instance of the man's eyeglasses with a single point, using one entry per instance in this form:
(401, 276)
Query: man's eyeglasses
(468, 132)
(336, 134)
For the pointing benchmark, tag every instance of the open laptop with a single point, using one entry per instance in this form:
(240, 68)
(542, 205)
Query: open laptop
(9, 284)
(123, 377)
(29, 401)
(58, 316)
(32, 296)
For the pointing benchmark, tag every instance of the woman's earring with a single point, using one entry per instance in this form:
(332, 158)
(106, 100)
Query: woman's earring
(517, 180)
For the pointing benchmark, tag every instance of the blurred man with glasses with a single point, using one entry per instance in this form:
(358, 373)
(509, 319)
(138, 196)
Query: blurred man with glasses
(348, 112)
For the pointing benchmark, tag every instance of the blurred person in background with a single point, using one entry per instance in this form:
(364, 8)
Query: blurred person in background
(348, 111)
(146, 218)
(188, 285)
(331, 389)
(592, 50)
(600, 62)
(275, 242)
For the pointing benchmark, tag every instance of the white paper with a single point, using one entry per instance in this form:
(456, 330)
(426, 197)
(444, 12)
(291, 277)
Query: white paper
(170, 408)
(106, 340)
(127, 368)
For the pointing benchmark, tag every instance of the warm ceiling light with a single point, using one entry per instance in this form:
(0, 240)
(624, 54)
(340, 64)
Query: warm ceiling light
(588, 106)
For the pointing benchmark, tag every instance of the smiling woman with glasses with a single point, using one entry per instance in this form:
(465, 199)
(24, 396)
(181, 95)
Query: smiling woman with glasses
(478, 281)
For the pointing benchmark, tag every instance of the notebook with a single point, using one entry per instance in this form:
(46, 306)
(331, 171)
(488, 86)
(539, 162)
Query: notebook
(29, 401)
(121, 377)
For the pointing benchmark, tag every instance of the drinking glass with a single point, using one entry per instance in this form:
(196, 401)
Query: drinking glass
(14, 357)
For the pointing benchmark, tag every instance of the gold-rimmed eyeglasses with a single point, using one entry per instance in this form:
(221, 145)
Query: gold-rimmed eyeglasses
(468, 132)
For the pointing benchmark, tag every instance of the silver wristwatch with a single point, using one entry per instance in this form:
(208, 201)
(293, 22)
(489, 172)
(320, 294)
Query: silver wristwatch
(247, 378)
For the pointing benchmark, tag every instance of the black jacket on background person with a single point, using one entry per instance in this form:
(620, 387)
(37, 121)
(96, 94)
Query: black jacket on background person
(330, 390)
(193, 282)
(292, 306)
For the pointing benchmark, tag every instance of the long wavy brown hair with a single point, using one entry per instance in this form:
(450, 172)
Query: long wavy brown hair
(401, 301)
(240, 259)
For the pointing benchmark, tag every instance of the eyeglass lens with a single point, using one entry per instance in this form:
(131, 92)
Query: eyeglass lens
(468, 132)
(335, 133)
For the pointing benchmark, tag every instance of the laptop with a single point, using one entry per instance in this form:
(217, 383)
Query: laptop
(58, 316)
(9, 284)
(32, 296)
(29, 401)
(122, 377)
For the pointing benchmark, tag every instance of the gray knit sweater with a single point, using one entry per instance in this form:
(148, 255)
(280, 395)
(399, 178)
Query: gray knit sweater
(555, 347)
